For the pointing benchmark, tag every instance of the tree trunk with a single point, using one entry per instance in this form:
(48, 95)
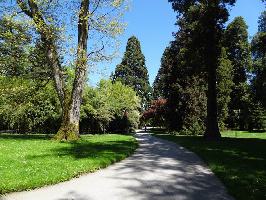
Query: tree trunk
(69, 129)
(70, 103)
(212, 53)
(212, 128)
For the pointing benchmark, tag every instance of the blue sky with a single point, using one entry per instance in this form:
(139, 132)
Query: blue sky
(152, 21)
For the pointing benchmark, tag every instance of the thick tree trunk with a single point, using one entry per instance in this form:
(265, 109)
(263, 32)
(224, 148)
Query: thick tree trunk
(212, 131)
(70, 103)
(69, 129)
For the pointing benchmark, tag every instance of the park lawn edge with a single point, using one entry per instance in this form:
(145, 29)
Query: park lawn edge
(135, 146)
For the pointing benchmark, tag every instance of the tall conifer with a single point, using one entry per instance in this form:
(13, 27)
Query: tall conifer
(238, 48)
(133, 71)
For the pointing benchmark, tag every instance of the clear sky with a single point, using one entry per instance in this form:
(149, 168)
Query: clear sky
(152, 21)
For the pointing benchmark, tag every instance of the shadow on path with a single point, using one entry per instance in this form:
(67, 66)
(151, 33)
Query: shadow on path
(158, 170)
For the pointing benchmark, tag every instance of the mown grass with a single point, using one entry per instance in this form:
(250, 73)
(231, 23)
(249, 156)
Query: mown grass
(31, 161)
(244, 134)
(239, 160)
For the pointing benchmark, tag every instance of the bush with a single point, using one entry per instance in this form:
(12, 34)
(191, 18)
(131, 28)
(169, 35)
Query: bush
(25, 106)
(110, 107)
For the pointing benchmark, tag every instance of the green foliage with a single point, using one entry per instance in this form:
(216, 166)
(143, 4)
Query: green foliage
(185, 91)
(14, 47)
(199, 39)
(133, 72)
(257, 101)
(257, 116)
(109, 103)
(193, 106)
(224, 88)
(262, 22)
(259, 56)
(238, 48)
(31, 161)
(27, 106)
(160, 82)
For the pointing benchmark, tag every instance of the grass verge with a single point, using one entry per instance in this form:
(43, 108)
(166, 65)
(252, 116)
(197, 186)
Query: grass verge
(31, 161)
(239, 160)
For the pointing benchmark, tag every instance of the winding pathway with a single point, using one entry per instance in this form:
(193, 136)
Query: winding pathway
(158, 170)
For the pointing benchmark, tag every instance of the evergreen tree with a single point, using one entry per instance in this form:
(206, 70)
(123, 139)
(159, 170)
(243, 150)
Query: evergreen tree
(259, 57)
(133, 72)
(224, 87)
(172, 88)
(185, 90)
(257, 111)
(204, 22)
(238, 48)
(262, 22)
(159, 85)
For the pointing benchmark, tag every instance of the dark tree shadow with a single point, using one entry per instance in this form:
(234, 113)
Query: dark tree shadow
(86, 149)
(72, 195)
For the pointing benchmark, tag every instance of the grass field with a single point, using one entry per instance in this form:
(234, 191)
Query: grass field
(239, 160)
(244, 134)
(30, 161)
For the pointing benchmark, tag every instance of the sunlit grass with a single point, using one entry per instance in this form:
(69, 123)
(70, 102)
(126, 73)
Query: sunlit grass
(32, 161)
(239, 160)
(244, 134)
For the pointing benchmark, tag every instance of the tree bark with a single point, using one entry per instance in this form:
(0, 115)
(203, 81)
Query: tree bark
(212, 131)
(70, 103)
(69, 129)
(212, 53)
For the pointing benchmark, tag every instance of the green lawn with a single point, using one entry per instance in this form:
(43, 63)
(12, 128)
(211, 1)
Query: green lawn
(30, 161)
(244, 134)
(239, 160)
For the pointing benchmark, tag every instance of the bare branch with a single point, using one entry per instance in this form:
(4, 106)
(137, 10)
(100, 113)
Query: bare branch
(98, 51)
(96, 7)
(23, 6)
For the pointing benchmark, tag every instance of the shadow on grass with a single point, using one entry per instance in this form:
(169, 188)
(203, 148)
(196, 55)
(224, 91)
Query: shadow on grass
(83, 149)
(239, 162)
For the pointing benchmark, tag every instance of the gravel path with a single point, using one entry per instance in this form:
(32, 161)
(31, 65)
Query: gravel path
(158, 170)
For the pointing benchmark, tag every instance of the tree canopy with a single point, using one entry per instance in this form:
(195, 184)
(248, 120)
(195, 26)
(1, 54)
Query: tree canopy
(133, 71)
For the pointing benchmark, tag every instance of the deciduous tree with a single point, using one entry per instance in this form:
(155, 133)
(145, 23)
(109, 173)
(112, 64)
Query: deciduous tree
(95, 19)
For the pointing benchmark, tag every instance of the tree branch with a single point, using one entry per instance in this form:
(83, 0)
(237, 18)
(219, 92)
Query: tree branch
(98, 51)
(24, 8)
(52, 54)
(96, 7)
